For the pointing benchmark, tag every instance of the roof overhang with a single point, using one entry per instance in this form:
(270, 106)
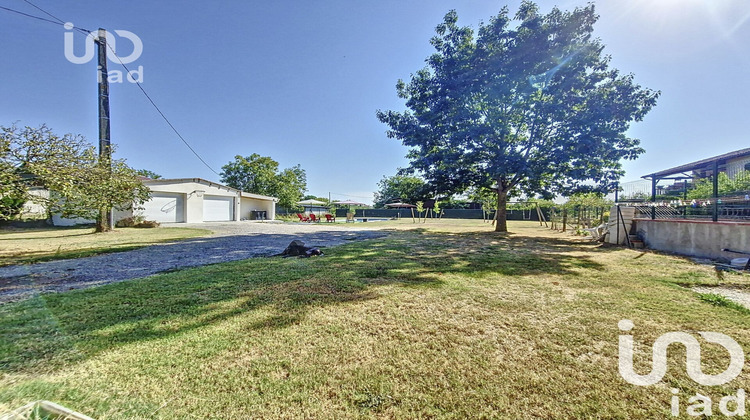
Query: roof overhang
(210, 184)
(698, 165)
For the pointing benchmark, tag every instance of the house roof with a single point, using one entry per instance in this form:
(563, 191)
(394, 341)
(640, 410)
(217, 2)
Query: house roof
(210, 184)
(700, 164)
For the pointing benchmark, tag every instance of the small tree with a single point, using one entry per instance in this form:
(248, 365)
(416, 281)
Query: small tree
(89, 189)
(420, 209)
(485, 197)
(12, 192)
(69, 168)
(438, 211)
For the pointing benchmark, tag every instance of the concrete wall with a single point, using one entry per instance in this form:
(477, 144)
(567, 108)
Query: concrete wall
(695, 237)
(250, 204)
(620, 228)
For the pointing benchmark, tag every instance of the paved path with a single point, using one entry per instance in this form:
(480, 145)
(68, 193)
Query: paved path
(230, 242)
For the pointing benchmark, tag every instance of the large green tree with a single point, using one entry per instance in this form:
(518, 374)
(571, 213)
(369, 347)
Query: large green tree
(400, 187)
(69, 167)
(529, 103)
(260, 175)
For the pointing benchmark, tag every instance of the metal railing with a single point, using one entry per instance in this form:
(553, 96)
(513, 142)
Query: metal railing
(719, 209)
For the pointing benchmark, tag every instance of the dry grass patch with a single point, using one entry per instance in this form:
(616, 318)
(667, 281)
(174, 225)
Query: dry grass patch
(22, 246)
(447, 321)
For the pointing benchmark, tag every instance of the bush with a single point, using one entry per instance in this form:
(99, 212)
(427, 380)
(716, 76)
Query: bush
(11, 207)
(126, 222)
(136, 221)
(147, 224)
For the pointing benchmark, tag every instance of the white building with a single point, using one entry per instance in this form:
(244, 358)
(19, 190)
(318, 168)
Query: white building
(193, 200)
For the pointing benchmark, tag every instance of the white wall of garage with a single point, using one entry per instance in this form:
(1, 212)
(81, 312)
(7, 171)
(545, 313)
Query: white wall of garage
(193, 200)
(252, 202)
(193, 192)
(206, 201)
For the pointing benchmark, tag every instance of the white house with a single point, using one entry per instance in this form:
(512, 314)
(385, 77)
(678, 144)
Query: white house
(194, 200)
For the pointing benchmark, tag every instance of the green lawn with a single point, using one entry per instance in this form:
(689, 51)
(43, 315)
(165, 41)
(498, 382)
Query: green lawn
(447, 321)
(21, 246)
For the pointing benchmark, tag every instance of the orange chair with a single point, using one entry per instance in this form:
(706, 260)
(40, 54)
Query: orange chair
(303, 218)
(330, 218)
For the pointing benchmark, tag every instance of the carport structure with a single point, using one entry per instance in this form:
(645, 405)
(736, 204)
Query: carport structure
(734, 164)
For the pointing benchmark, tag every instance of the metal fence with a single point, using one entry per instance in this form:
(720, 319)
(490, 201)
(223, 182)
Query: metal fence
(722, 197)
(447, 214)
(695, 209)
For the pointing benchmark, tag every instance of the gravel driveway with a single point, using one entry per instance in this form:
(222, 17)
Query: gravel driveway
(230, 241)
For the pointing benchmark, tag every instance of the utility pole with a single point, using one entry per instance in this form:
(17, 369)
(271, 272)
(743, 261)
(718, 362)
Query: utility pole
(104, 221)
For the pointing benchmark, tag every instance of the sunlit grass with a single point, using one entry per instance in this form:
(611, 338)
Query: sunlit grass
(21, 246)
(450, 321)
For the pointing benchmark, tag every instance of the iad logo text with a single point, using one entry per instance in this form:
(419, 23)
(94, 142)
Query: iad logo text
(701, 405)
(113, 76)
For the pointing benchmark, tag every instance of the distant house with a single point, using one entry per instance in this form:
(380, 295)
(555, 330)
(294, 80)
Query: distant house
(193, 200)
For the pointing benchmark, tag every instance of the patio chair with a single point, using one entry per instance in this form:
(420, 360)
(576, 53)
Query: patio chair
(303, 218)
(349, 217)
(313, 218)
(330, 218)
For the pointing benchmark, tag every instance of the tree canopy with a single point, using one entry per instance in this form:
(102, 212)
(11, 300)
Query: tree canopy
(148, 174)
(400, 187)
(67, 166)
(260, 175)
(529, 103)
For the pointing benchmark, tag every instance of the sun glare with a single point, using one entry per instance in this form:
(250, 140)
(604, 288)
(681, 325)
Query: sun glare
(697, 22)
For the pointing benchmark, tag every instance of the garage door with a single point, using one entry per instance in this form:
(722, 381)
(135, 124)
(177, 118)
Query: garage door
(165, 207)
(217, 208)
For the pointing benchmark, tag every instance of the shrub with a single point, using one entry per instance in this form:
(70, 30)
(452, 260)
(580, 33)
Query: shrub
(126, 222)
(136, 221)
(147, 224)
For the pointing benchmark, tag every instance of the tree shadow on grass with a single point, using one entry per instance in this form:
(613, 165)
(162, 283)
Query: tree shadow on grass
(54, 232)
(56, 329)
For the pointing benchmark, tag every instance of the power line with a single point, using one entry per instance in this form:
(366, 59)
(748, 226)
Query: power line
(44, 11)
(137, 83)
(87, 32)
(29, 16)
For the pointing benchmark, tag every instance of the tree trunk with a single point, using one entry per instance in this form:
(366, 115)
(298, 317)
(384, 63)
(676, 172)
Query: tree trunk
(102, 222)
(502, 200)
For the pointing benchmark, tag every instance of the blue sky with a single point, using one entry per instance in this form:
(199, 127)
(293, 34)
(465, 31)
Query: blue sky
(300, 81)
